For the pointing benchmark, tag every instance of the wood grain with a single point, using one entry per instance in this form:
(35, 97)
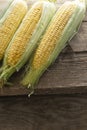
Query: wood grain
(67, 75)
(79, 42)
(44, 113)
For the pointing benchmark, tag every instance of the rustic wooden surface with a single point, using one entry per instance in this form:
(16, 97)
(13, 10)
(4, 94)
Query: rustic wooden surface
(51, 112)
(67, 75)
(44, 113)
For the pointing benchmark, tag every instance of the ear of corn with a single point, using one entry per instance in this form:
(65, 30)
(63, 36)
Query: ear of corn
(64, 24)
(4, 5)
(10, 22)
(26, 38)
(21, 40)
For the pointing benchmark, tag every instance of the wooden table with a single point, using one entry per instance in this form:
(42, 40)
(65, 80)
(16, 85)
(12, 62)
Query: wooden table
(56, 104)
(54, 112)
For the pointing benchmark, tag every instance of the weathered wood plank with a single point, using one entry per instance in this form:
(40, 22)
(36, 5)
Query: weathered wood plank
(85, 19)
(44, 113)
(79, 42)
(67, 75)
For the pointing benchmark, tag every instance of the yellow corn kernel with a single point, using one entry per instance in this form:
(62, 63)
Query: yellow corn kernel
(52, 35)
(10, 24)
(23, 35)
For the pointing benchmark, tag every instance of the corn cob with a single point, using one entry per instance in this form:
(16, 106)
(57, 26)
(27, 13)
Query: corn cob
(63, 26)
(26, 38)
(10, 22)
(28, 26)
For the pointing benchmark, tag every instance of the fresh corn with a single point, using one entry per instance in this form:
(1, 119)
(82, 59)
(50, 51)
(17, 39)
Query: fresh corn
(62, 28)
(53, 34)
(26, 38)
(19, 43)
(10, 22)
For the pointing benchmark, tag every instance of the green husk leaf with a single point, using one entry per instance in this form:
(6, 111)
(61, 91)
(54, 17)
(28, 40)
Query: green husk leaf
(4, 6)
(33, 75)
